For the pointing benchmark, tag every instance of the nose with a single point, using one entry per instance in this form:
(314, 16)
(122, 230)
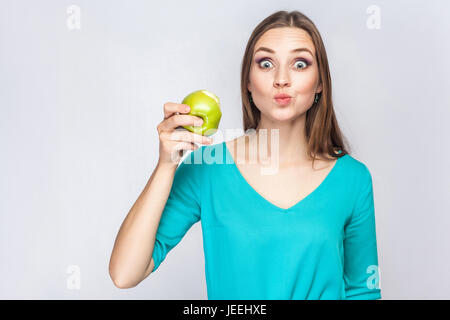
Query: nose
(281, 79)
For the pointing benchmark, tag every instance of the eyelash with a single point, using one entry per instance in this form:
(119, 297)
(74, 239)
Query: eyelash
(268, 59)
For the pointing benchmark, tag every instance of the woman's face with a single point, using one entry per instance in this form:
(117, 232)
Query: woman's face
(280, 70)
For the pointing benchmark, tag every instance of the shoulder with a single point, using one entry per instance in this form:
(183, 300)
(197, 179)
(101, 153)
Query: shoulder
(203, 158)
(356, 165)
(355, 170)
(189, 167)
(190, 174)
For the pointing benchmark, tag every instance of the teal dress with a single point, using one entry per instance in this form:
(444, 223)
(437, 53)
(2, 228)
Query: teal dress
(323, 247)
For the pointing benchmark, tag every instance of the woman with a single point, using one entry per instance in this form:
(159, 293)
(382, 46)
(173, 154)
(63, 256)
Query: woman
(307, 231)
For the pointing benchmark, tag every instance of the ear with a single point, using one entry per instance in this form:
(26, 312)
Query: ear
(319, 88)
(249, 87)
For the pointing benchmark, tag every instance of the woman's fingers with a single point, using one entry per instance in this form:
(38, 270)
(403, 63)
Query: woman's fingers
(179, 120)
(171, 108)
(187, 136)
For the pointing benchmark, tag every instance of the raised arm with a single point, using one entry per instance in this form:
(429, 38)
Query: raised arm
(131, 259)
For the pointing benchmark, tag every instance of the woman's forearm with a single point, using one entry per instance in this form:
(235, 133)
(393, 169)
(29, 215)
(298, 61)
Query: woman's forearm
(132, 252)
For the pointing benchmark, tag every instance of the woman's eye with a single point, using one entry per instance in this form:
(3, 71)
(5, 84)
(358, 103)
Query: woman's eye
(301, 63)
(265, 63)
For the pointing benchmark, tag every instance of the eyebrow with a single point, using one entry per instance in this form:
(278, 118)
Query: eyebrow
(272, 51)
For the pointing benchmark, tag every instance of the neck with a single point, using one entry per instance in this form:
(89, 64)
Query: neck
(287, 141)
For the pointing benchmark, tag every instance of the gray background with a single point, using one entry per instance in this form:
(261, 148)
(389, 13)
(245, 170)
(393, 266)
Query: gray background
(79, 110)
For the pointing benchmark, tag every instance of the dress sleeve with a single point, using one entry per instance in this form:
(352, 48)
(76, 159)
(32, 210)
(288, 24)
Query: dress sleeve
(361, 272)
(181, 211)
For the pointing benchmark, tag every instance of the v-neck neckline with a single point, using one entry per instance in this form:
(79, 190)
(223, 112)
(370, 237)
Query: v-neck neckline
(274, 206)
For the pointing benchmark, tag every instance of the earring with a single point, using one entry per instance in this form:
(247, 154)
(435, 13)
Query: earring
(316, 98)
(251, 98)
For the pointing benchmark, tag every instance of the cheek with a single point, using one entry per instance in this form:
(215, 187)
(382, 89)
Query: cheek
(261, 82)
(305, 83)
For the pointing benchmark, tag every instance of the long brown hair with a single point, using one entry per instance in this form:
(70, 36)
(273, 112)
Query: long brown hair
(322, 130)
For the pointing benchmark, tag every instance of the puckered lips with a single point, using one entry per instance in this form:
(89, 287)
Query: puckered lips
(282, 99)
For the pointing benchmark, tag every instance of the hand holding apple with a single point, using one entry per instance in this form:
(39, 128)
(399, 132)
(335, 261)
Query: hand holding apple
(173, 142)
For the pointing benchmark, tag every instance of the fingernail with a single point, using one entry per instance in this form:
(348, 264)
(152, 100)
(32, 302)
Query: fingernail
(187, 109)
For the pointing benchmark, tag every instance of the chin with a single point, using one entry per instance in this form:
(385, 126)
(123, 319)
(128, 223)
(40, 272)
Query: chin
(283, 115)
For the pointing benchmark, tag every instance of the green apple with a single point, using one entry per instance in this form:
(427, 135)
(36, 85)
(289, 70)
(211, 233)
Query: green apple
(205, 105)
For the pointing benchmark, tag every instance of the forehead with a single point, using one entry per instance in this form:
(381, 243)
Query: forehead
(286, 38)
